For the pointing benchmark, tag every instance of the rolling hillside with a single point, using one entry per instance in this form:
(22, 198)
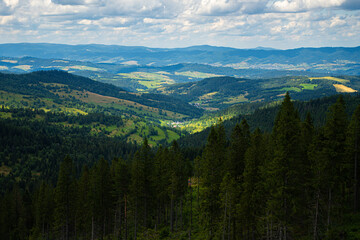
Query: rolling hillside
(140, 77)
(221, 92)
(59, 86)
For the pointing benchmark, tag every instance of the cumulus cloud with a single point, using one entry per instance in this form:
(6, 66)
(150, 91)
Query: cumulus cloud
(303, 5)
(7, 7)
(166, 23)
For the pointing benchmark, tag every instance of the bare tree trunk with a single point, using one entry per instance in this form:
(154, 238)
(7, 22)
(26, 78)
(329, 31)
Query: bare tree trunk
(225, 209)
(120, 222)
(145, 214)
(181, 213)
(316, 214)
(135, 229)
(92, 228)
(356, 184)
(229, 223)
(171, 212)
(115, 221)
(125, 218)
(104, 227)
(329, 211)
(191, 197)
(271, 229)
(267, 226)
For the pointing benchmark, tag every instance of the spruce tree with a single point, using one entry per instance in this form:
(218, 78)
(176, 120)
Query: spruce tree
(240, 140)
(65, 199)
(83, 205)
(353, 153)
(212, 176)
(251, 203)
(285, 180)
(121, 181)
(102, 201)
(335, 135)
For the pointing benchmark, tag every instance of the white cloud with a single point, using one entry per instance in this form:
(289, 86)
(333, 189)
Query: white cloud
(337, 21)
(303, 5)
(166, 23)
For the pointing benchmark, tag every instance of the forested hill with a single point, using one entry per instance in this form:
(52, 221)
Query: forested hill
(57, 85)
(264, 117)
(222, 92)
(298, 182)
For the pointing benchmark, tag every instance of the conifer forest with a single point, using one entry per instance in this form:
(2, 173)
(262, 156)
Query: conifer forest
(296, 182)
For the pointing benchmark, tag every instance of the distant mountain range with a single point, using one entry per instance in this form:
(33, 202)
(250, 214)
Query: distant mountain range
(337, 60)
(140, 77)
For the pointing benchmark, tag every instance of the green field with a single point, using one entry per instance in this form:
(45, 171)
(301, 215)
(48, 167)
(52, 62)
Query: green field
(195, 74)
(308, 86)
(149, 80)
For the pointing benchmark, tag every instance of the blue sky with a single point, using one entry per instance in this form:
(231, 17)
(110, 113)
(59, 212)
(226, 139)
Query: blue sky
(280, 24)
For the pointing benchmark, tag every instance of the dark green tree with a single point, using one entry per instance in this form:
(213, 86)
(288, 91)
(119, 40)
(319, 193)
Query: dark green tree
(101, 199)
(286, 182)
(65, 199)
(334, 150)
(252, 205)
(83, 205)
(121, 178)
(43, 211)
(353, 152)
(214, 157)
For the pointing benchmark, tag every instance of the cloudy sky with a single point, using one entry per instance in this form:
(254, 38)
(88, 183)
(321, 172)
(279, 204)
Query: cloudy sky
(280, 24)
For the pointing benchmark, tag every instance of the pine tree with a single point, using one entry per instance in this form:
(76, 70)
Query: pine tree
(353, 152)
(178, 182)
(162, 184)
(228, 194)
(44, 208)
(319, 184)
(251, 203)
(285, 179)
(212, 176)
(65, 199)
(335, 135)
(137, 190)
(83, 205)
(240, 141)
(102, 201)
(121, 179)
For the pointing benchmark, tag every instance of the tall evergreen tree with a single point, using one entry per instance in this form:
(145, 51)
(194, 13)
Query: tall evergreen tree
(251, 203)
(102, 202)
(353, 153)
(240, 141)
(83, 205)
(43, 209)
(286, 182)
(212, 176)
(65, 199)
(335, 135)
(121, 179)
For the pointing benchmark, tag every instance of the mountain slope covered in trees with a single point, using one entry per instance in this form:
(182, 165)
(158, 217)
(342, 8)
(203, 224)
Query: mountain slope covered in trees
(298, 181)
(57, 86)
(222, 92)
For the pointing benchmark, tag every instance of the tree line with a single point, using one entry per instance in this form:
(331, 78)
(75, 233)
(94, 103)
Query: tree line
(295, 182)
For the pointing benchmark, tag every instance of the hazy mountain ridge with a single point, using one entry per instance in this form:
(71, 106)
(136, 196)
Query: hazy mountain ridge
(339, 59)
(140, 78)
